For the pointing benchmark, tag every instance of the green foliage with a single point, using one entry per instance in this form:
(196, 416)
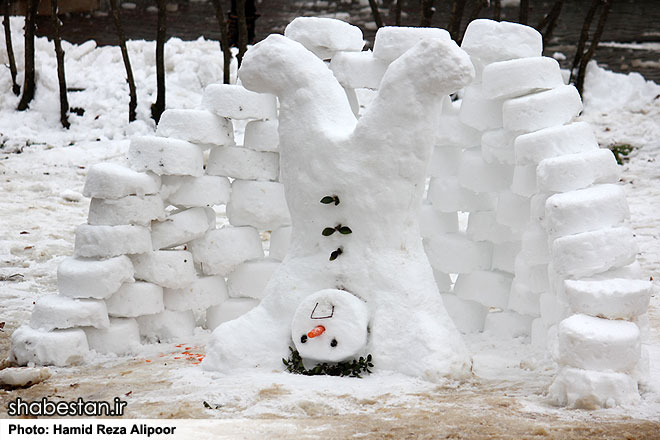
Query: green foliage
(336, 253)
(347, 368)
(344, 230)
(330, 199)
(341, 229)
(621, 152)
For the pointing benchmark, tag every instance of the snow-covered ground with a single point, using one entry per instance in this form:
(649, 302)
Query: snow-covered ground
(42, 171)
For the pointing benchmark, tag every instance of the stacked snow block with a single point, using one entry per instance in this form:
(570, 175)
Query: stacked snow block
(593, 273)
(453, 252)
(169, 283)
(508, 61)
(64, 327)
(256, 207)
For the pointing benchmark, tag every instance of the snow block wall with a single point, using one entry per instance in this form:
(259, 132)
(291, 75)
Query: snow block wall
(547, 253)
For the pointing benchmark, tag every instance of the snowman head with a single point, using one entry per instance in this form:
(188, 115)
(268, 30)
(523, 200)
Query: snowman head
(330, 326)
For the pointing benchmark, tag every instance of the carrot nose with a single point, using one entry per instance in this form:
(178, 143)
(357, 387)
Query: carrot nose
(316, 331)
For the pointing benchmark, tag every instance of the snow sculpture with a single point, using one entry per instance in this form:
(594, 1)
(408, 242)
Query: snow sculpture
(547, 253)
(354, 189)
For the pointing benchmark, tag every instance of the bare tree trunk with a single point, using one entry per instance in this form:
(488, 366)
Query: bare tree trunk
(497, 10)
(397, 13)
(158, 107)
(224, 39)
(30, 25)
(374, 10)
(59, 53)
(454, 26)
(10, 51)
(242, 30)
(584, 36)
(523, 18)
(550, 21)
(579, 84)
(132, 105)
(427, 13)
(478, 6)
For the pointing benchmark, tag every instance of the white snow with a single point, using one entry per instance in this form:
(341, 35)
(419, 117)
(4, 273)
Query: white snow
(509, 79)
(262, 136)
(166, 156)
(129, 210)
(135, 299)
(201, 294)
(532, 148)
(598, 344)
(56, 311)
(488, 41)
(49, 236)
(121, 337)
(190, 192)
(85, 278)
(541, 110)
(249, 279)
(235, 102)
(19, 377)
(196, 126)
(258, 204)
(221, 250)
(392, 41)
(181, 227)
(112, 181)
(169, 268)
(243, 163)
(56, 347)
(111, 241)
(576, 171)
(324, 36)
(584, 210)
(358, 69)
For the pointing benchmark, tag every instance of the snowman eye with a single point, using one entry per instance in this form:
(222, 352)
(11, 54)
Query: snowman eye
(303, 338)
(333, 343)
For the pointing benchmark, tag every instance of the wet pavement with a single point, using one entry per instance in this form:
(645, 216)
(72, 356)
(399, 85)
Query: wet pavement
(630, 21)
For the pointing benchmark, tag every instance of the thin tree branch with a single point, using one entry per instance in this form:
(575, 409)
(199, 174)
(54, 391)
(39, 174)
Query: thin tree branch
(550, 21)
(242, 30)
(478, 6)
(374, 10)
(132, 105)
(497, 10)
(10, 51)
(224, 39)
(523, 17)
(30, 25)
(607, 5)
(59, 53)
(427, 13)
(397, 13)
(455, 17)
(158, 107)
(584, 36)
